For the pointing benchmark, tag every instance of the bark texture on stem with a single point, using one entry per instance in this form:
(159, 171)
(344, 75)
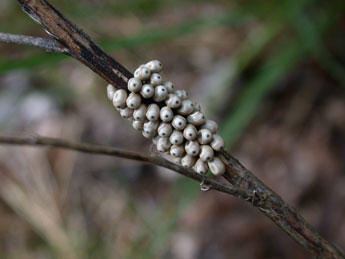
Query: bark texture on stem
(43, 43)
(245, 185)
(77, 43)
(212, 184)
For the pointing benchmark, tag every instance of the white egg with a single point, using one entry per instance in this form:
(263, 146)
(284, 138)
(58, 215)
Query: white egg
(205, 136)
(192, 148)
(216, 166)
(153, 111)
(190, 132)
(110, 92)
(196, 118)
(119, 98)
(147, 91)
(206, 153)
(179, 122)
(177, 151)
(160, 94)
(217, 143)
(165, 130)
(140, 112)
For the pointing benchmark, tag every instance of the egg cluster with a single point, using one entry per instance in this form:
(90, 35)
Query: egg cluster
(174, 123)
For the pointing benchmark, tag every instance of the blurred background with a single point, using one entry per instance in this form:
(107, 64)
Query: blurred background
(271, 73)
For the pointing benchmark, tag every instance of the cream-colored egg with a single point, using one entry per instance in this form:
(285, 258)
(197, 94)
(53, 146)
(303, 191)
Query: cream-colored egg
(110, 92)
(140, 112)
(133, 101)
(205, 136)
(138, 125)
(142, 73)
(156, 79)
(192, 148)
(216, 166)
(179, 122)
(151, 126)
(165, 130)
(188, 161)
(217, 143)
(177, 150)
(166, 114)
(149, 135)
(170, 87)
(163, 144)
(134, 85)
(173, 101)
(119, 98)
(210, 125)
(187, 107)
(155, 66)
(196, 118)
(190, 132)
(126, 113)
(206, 153)
(153, 111)
(161, 93)
(201, 167)
(147, 91)
(182, 94)
(176, 137)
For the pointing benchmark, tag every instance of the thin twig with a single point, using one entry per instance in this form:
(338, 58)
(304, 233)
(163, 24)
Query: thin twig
(111, 151)
(81, 47)
(43, 43)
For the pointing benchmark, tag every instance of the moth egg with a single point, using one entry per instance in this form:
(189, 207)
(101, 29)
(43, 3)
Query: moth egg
(156, 79)
(216, 166)
(163, 144)
(182, 94)
(134, 85)
(160, 94)
(201, 167)
(110, 92)
(150, 127)
(205, 136)
(187, 107)
(188, 161)
(166, 114)
(154, 66)
(133, 101)
(126, 113)
(170, 87)
(179, 122)
(138, 125)
(177, 151)
(152, 113)
(142, 73)
(165, 130)
(192, 148)
(147, 91)
(210, 125)
(176, 137)
(140, 113)
(173, 101)
(217, 143)
(119, 98)
(196, 118)
(149, 135)
(206, 153)
(190, 132)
